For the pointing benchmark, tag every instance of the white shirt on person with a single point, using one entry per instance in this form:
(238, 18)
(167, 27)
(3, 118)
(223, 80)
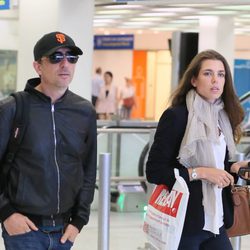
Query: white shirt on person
(107, 100)
(97, 83)
(127, 91)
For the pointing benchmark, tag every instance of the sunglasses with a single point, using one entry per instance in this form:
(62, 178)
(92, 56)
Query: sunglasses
(57, 57)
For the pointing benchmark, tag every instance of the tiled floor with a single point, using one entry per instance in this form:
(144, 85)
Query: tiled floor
(125, 234)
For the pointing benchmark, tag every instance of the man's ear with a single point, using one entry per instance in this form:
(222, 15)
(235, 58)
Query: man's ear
(37, 67)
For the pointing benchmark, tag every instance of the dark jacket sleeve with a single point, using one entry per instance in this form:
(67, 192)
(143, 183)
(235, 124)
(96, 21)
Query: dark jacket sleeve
(163, 154)
(81, 210)
(7, 112)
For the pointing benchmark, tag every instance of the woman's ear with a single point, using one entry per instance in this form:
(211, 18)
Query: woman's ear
(193, 81)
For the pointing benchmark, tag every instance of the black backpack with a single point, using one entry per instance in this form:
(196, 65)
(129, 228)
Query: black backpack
(19, 127)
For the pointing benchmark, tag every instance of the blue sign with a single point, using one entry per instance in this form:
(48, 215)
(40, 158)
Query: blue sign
(4, 4)
(113, 42)
(242, 85)
(242, 76)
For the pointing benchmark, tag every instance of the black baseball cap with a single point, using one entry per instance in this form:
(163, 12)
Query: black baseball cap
(50, 42)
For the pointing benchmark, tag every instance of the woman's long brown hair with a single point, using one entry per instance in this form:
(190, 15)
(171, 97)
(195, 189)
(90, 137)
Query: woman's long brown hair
(231, 102)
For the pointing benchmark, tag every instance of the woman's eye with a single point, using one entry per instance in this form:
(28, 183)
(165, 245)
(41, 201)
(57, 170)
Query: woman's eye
(222, 75)
(207, 73)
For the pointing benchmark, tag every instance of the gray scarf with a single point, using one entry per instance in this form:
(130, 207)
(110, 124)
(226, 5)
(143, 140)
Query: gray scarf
(196, 147)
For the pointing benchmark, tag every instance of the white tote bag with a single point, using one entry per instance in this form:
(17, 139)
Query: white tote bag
(166, 213)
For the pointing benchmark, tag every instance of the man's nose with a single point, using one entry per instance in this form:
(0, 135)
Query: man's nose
(64, 61)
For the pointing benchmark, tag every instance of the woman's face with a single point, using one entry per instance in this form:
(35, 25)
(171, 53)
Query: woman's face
(210, 80)
(107, 78)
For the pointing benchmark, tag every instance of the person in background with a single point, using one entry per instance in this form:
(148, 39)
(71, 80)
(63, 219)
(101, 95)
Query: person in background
(197, 135)
(97, 83)
(106, 104)
(127, 98)
(51, 183)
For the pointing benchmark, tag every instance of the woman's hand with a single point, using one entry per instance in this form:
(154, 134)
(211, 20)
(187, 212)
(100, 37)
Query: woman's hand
(237, 165)
(218, 177)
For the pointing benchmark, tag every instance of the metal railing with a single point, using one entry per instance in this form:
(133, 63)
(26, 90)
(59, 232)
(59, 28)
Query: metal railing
(236, 241)
(114, 137)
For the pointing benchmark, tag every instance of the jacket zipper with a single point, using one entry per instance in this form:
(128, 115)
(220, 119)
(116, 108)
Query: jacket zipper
(55, 158)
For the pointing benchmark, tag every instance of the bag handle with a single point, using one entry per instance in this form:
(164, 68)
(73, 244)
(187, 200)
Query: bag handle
(176, 172)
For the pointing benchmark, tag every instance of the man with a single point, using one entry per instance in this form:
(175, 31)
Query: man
(97, 83)
(52, 178)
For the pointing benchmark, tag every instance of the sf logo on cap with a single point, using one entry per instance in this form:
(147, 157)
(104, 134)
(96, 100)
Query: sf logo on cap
(60, 38)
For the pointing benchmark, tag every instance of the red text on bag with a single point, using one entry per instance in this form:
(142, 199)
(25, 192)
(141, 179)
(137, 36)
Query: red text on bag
(165, 201)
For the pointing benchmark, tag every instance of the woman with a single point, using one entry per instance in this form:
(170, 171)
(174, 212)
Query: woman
(106, 104)
(197, 135)
(127, 97)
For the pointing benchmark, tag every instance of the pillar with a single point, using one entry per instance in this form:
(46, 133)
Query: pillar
(218, 33)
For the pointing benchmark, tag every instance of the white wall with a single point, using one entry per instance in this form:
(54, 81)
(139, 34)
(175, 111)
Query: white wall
(36, 18)
(242, 47)
(163, 82)
(154, 41)
(119, 62)
(9, 34)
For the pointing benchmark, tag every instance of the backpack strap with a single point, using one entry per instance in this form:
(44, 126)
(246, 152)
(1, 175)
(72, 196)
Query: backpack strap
(18, 127)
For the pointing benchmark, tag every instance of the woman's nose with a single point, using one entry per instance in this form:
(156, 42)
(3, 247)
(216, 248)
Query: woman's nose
(214, 78)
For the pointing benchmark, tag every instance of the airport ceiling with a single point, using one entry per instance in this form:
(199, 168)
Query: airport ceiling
(144, 16)
(152, 16)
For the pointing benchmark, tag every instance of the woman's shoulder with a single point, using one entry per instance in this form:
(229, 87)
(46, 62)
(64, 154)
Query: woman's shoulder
(174, 116)
(176, 111)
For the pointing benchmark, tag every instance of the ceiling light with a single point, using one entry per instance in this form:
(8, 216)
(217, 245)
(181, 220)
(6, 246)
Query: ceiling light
(123, 6)
(184, 21)
(173, 9)
(190, 17)
(101, 24)
(217, 12)
(234, 7)
(157, 14)
(104, 21)
(165, 28)
(112, 12)
(193, 5)
(242, 20)
(137, 23)
(139, 19)
(245, 16)
(107, 16)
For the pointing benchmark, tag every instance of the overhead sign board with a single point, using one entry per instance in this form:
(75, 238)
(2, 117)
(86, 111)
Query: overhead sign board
(113, 42)
(4, 4)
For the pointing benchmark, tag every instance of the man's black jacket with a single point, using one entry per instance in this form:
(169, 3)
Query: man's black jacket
(54, 170)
